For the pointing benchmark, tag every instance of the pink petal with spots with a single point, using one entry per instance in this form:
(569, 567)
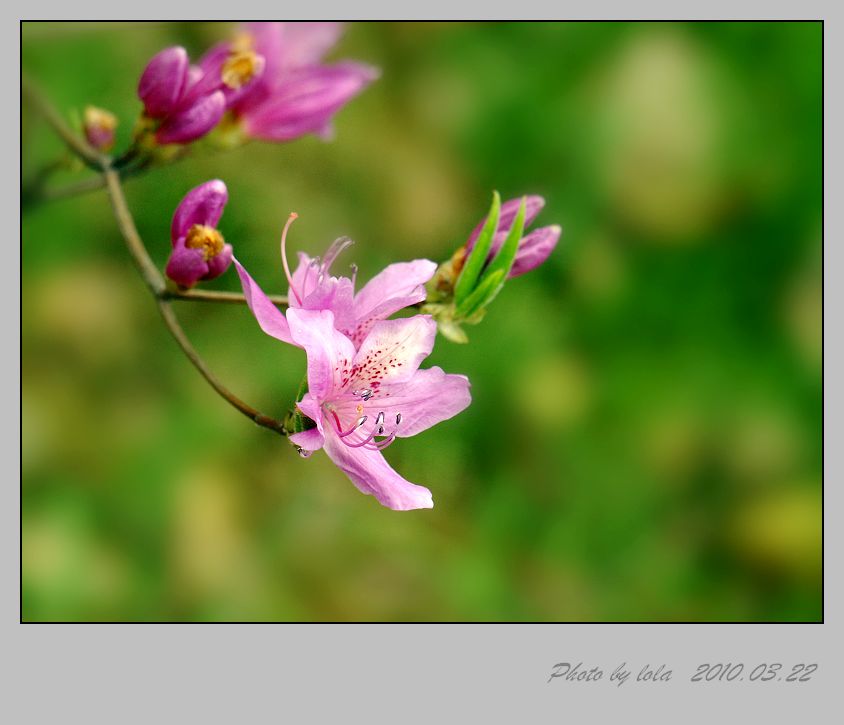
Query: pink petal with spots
(393, 351)
(427, 398)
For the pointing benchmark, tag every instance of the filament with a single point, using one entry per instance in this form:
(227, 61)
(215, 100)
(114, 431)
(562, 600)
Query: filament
(293, 215)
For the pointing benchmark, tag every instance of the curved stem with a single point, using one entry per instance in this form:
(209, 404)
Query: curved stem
(75, 143)
(179, 335)
(152, 277)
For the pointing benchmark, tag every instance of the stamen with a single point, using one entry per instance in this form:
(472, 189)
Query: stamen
(363, 442)
(380, 419)
(314, 264)
(293, 215)
(398, 418)
(381, 445)
(334, 251)
(354, 274)
(360, 421)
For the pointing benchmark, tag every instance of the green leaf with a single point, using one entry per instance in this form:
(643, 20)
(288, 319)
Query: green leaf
(477, 258)
(503, 261)
(483, 295)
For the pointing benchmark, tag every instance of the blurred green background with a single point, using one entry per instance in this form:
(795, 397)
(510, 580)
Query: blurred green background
(644, 441)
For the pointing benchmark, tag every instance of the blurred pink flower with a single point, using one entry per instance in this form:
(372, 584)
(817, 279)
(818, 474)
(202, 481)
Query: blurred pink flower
(294, 94)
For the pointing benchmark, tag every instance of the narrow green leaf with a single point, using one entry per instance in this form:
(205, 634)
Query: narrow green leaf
(503, 261)
(482, 296)
(475, 262)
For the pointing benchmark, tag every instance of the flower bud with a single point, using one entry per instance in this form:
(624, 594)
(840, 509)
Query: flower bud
(163, 82)
(463, 287)
(199, 250)
(99, 126)
(193, 121)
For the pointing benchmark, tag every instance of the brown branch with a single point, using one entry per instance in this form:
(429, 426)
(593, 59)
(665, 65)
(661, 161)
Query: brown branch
(211, 296)
(178, 333)
(152, 277)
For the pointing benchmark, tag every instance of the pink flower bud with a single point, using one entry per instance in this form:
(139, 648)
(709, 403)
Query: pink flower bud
(533, 248)
(199, 250)
(99, 126)
(163, 82)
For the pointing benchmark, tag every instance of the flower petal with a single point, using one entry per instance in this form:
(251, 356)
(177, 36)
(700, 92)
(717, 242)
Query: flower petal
(163, 81)
(306, 99)
(329, 293)
(269, 317)
(429, 397)
(186, 266)
(219, 263)
(308, 440)
(509, 209)
(306, 43)
(371, 473)
(330, 352)
(535, 248)
(203, 204)
(393, 351)
(390, 288)
(190, 123)
(310, 407)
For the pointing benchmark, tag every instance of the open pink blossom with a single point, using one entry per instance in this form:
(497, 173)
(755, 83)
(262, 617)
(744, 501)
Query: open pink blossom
(294, 93)
(534, 248)
(362, 400)
(312, 287)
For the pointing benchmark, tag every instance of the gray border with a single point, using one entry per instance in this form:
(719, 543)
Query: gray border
(388, 673)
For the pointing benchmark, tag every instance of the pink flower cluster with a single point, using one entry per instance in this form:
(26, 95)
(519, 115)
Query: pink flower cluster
(270, 79)
(365, 386)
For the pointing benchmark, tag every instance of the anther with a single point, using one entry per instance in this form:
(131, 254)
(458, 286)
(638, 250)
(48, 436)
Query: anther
(398, 418)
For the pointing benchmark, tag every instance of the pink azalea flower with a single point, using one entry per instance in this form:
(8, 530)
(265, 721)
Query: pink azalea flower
(199, 250)
(295, 93)
(362, 396)
(534, 248)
